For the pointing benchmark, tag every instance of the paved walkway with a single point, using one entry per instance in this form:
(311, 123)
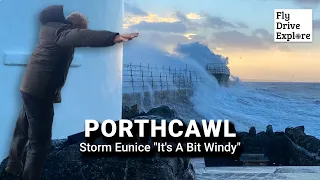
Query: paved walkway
(256, 173)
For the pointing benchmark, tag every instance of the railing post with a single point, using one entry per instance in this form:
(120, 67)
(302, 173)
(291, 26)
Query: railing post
(151, 80)
(131, 74)
(167, 82)
(160, 82)
(142, 81)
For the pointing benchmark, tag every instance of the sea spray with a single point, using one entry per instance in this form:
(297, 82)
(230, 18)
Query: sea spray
(258, 104)
(246, 104)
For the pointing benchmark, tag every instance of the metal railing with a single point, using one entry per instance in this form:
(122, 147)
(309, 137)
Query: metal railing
(139, 78)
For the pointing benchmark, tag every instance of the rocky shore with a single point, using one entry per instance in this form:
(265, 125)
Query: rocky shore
(289, 148)
(292, 147)
(66, 162)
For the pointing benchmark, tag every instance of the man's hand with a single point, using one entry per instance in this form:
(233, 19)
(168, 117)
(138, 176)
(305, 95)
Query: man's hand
(125, 37)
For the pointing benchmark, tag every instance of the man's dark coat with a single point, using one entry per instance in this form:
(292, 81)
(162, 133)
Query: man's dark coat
(47, 69)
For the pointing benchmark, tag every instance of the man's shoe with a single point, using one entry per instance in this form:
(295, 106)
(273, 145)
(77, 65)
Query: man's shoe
(7, 174)
(13, 172)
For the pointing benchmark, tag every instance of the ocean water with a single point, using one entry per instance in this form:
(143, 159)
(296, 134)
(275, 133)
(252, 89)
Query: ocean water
(244, 103)
(259, 104)
(247, 104)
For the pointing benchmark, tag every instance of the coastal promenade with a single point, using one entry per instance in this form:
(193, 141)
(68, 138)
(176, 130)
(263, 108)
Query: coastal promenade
(255, 173)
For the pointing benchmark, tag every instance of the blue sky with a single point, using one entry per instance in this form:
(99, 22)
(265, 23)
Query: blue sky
(239, 29)
(257, 13)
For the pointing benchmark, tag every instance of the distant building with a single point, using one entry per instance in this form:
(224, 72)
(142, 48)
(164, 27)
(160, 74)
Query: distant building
(220, 71)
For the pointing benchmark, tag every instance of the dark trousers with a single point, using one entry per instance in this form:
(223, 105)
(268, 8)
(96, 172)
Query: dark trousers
(34, 126)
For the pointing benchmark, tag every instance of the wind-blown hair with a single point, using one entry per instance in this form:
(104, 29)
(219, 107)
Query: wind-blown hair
(78, 20)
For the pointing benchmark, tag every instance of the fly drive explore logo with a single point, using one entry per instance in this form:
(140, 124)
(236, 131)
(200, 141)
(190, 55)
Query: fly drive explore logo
(293, 25)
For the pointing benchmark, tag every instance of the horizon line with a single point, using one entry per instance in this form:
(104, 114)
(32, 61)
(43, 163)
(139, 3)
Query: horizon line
(276, 81)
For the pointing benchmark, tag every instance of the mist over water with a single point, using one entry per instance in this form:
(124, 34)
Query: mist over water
(243, 103)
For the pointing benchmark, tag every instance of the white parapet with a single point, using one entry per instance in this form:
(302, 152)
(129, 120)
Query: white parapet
(94, 85)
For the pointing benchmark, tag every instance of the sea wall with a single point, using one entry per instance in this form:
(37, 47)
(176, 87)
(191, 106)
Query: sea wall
(150, 99)
(292, 147)
(289, 148)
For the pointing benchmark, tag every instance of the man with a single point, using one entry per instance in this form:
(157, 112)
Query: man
(43, 79)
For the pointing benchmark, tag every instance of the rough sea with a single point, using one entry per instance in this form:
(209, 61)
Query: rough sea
(259, 104)
(247, 104)
(262, 103)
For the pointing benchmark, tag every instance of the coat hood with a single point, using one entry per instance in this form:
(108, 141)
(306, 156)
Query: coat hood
(52, 13)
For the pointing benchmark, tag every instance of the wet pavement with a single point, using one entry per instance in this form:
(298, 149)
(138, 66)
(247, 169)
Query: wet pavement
(255, 173)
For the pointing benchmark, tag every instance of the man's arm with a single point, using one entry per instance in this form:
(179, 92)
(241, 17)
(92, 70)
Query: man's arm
(85, 38)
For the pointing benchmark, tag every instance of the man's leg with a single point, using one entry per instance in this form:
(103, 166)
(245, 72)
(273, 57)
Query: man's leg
(40, 116)
(20, 138)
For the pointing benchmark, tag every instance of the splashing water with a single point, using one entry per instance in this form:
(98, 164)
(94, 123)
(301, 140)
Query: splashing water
(245, 104)
(259, 104)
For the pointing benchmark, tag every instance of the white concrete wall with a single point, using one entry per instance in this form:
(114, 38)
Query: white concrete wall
(94, 86)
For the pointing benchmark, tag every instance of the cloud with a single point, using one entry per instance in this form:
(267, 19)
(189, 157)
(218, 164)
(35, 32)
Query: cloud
(242, 25)
(195, 21)
(302, 2)
(144, 53)
(194, 36)
(179, 22)
(201, 53)
(217, 22)
(191, 20)
(193, 16)
(133, 9)
(182, 17)
(151, 18)
(175, 27)
(316, 24)
(220, 23)
(259, 39)
(164, 41)
(183, 28)
(264, 34)
(237, 39)
(306, 1)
